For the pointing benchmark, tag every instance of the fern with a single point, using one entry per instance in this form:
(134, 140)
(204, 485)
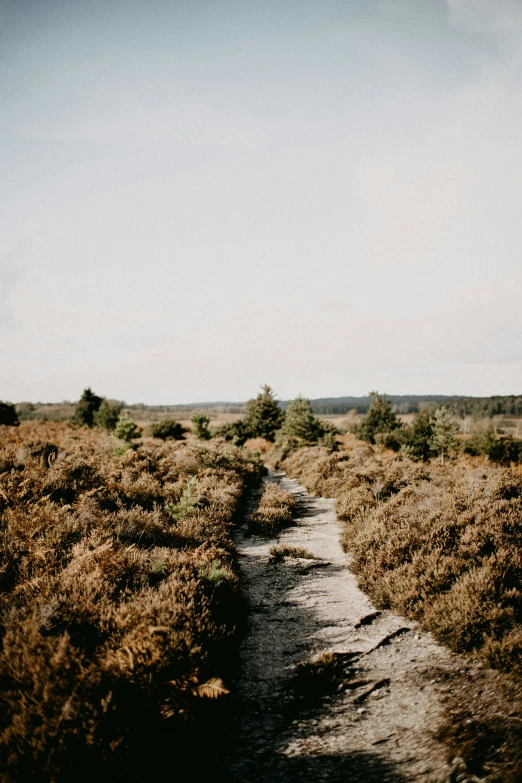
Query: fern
(211, 689)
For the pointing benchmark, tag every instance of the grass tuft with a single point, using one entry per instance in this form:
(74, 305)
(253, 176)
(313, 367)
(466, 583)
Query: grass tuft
(280, 553)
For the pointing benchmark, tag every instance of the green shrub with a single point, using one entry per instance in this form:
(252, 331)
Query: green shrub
(300, 421)
(445, 430)
(302, 428)
(25, 411)
(502, 450)
(86, 408)
(235, 432)
(186, 505)
(107, 415)
(388, 440)
(8, 415)
(214, 573)
(167, 429)
(127, 431)
(328, 439)
(200, 424)
(415, 440)
(379, 419)
(263, 415)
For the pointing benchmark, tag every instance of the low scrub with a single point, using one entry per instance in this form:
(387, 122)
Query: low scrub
(441, 544)
(167, 429)
(119, 598)
(280, 553)
(274, 512)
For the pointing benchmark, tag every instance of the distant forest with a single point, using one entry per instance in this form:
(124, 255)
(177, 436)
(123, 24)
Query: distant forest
(510, 405)
(481, 407)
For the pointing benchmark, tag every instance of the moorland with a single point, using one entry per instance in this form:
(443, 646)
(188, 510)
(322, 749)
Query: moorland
(121, 599)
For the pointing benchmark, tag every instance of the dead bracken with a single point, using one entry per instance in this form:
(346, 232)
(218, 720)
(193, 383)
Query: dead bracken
(119, 597)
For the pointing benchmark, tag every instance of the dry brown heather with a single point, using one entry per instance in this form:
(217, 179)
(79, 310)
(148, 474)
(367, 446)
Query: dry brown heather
(119, 597)
(443, 545)
(275, 511)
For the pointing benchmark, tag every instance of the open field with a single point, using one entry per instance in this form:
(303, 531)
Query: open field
(143, 415)
(219, 413)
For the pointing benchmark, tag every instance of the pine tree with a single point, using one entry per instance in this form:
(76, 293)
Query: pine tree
(107, 415)
(417, 438)
(87, 406)
(379, 419)
(127, 430)
(200, 424)
(445, 430)
(300, 421)
(263, 415)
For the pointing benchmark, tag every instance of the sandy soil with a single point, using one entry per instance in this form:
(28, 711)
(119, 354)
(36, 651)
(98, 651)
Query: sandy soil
(379, 725)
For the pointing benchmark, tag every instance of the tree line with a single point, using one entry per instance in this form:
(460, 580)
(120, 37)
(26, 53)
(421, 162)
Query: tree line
(433, 431)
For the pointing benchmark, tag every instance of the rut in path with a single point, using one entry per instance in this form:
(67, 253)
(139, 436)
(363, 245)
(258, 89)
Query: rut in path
(379, 725)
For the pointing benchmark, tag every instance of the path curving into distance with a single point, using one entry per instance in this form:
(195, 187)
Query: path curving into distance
(379, 725)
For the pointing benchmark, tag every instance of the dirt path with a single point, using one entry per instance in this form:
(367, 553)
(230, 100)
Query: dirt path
(378, 726)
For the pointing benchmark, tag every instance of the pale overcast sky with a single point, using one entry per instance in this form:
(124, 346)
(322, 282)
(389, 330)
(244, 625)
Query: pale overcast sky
(201, 197)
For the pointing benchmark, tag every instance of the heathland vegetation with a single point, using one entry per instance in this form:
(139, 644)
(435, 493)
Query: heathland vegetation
(438, 540)
(120, 594)
(120, 599)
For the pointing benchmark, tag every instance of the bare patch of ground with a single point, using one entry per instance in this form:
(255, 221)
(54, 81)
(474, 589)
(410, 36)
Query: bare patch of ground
(329, 688)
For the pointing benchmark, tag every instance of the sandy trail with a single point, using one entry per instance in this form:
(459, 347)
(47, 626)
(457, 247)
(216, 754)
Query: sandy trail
(300, 608)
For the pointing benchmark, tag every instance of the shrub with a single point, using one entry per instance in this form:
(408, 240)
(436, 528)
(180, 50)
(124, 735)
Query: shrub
(300, 421)
(274, 511)
(441, 546)
(388, 440)
(127, 431)
(445, 430)
(416, 439)
(379, 419)
(200, 424)
(25, 411)
(86, 408)
(328, 439)
(302, 428)
(8, 415)
(235, 432)
(186, 504)
(503, 450)
(280, 553)
(167, 429)
(118, 620)
(107, 415)
(263, 415)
